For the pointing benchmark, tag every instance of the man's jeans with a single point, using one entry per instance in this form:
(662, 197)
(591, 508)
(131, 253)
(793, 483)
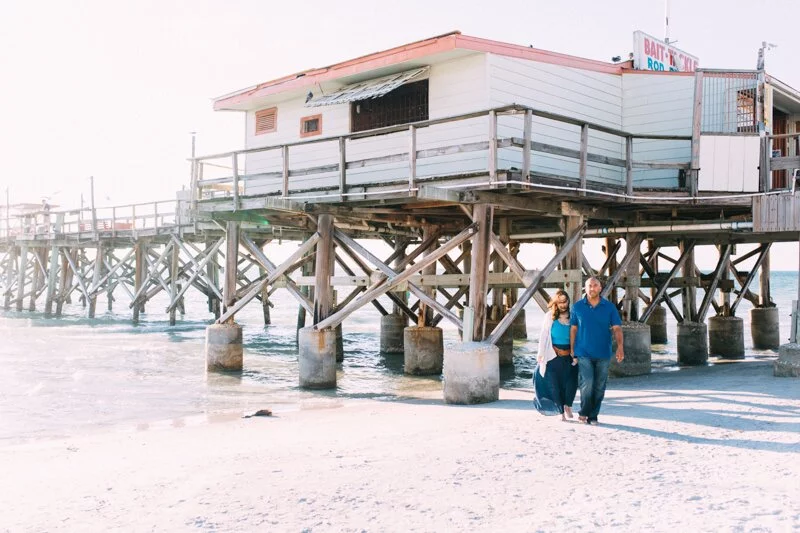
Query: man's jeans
(592, 377)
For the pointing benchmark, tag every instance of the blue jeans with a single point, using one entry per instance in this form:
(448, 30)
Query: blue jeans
(592, 378)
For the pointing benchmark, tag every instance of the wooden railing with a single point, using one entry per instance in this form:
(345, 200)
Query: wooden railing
(232, 186)
(152, 217)
(786, 162)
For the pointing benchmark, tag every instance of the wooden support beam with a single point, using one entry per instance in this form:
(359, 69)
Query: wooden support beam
(21, 276)
(384, 285)
(231, 265)
(52, 280)
(719, 272)
(573, 259)
(323, 296)
(475, 314)
(351, 247)
(746, 285)
(293, 261)
(687, 250)
(689, 292)
(198, 270)
(535, 285)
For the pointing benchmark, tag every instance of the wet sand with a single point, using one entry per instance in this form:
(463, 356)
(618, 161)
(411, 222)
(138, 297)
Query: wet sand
(702, 449)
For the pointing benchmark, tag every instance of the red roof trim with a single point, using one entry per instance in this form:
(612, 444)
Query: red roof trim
(408, 52)
(534, 54)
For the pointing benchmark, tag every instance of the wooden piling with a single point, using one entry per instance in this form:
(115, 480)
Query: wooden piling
(482, 215)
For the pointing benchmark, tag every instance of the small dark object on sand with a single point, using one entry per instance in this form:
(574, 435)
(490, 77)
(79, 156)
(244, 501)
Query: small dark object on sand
(260, 412)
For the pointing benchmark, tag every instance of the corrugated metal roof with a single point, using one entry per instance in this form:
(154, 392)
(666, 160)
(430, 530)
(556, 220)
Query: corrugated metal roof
(367, 89)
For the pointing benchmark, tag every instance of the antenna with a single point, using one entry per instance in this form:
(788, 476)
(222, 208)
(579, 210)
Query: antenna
(666, 22)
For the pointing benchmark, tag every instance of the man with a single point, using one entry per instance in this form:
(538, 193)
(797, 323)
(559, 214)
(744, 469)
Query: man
(592, 321)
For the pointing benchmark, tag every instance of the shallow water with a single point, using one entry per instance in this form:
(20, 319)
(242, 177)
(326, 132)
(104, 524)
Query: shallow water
(72, 374)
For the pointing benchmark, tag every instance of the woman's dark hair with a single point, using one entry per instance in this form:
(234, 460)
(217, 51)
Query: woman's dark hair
(553, 305)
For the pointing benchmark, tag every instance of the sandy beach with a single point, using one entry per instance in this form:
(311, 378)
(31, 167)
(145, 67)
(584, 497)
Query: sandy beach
(702, 449)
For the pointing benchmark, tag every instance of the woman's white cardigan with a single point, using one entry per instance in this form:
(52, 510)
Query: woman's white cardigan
(546, 351)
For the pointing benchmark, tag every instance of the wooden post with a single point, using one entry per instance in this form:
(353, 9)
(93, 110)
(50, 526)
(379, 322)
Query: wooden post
(140, 249)
(21, 275)
(96, 275)
(323, 295)
(109, 282)
(173, 281)
(265, 294)
(498, 266)
(342, 168)
(482, 215)
(466, 266)
(36, 277)
(400, 244)
(764, 296)
(492, 146)
(94, 211)
(527, 129)
(412, 158)
(231, 265)
(52, 279)
(652, 251)
(689, 292)
(574, 258)
(425, 316)
(611, 260)
(697, 124)
(285, 162)
(630, 306)
(11, 262)
(725, 291)
(582, 166)
(62, 282)
(235, 168)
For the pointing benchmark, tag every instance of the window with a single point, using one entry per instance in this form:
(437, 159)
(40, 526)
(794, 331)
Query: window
(746, 111)
(407, 103)
(310, 125)
(266, 120)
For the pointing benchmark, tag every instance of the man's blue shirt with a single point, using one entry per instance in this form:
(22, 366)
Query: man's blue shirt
(594, 328)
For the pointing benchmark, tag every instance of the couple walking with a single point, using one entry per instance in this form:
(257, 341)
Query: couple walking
(575, 348)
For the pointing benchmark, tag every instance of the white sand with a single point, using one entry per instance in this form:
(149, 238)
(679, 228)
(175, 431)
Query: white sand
(707, 449)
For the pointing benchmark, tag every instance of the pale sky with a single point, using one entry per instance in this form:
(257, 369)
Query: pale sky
(112, 89)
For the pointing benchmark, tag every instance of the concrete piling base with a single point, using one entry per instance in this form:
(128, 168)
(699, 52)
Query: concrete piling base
(765, 328)
(424, 350)
(224, 347)
(317, 358)
(506, 343)
(658, 325)
(392, 334)
(788, 363)
(692, 343)
(726, 337)
(636, 343)
(471, 373)
(519, 329)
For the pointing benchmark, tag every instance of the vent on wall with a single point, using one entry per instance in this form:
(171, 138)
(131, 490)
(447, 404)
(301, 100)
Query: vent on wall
(266, 120)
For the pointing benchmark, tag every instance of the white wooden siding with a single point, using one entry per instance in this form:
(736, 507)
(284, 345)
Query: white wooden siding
(658, 104)
(592, 96)
(455, 87)
(729, 163)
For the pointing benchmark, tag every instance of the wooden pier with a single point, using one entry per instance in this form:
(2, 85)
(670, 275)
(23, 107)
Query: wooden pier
(452, 241)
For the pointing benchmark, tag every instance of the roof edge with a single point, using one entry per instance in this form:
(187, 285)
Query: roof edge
(414, 50)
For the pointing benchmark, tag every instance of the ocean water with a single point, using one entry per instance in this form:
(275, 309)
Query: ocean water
(61, 376)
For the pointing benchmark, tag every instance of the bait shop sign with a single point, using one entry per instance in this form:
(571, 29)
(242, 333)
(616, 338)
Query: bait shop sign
(650, 53)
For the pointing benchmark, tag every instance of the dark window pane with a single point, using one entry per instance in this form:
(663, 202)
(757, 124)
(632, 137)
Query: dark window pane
(408, 103)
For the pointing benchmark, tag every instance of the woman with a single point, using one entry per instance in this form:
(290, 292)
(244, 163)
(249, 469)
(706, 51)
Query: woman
(556, 378)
